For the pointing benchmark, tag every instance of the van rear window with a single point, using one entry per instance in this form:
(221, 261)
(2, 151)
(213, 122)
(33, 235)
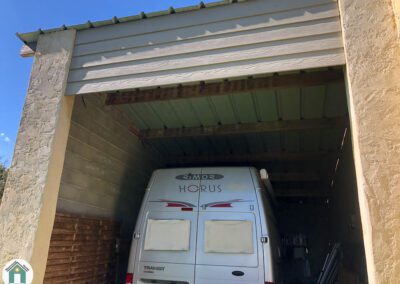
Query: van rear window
(172, 235)
(228, 236)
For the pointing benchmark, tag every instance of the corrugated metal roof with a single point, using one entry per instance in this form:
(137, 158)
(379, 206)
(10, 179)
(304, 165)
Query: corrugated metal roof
(316, 102)
(30, 38)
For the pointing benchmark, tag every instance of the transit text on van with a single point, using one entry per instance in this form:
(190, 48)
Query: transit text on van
(150, 269)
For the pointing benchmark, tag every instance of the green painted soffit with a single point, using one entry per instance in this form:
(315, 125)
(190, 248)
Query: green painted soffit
(30, 38)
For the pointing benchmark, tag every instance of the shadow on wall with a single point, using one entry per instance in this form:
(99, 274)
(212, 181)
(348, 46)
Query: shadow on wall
(127, 210)
(131, 193)
(323, 223)
(106, 168)
(345, 219)
(309, 218)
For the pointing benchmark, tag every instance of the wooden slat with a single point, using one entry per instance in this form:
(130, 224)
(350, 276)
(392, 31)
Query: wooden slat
(233, 69)
(227, 87)
(164, 43)
(100, 151)
(240, 52)
(210, 20)
(245, 128)
(259, 157)
(251, 38)
(82, 250)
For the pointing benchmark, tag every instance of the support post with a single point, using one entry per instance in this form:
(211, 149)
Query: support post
(28, 208)
(373, 79)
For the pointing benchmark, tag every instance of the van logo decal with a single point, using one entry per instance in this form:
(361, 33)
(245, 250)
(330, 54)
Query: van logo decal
(173, 203)
(202, 188)
(222, 204)
(199, 177)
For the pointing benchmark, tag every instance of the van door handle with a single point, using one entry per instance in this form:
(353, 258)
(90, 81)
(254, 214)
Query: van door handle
(238, 273)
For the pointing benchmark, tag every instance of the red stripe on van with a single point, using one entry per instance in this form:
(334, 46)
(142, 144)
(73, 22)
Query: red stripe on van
(175, 205)
(222, 205)
(187, 209)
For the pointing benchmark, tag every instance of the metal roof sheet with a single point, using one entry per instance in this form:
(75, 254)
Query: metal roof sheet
(314, 102)
(30, 38)
(324, 101)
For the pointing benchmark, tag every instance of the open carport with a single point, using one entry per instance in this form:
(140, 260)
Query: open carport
(248, 83)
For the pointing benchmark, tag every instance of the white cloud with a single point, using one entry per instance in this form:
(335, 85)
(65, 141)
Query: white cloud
(4, 137)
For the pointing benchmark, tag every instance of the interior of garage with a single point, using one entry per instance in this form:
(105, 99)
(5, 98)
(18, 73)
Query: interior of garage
(296, 127)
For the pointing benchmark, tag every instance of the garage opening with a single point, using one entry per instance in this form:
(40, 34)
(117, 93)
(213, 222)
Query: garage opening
(295, 125)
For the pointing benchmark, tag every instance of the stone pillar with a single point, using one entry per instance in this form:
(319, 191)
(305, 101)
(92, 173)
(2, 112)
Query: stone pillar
(29, 203)
(373, 77)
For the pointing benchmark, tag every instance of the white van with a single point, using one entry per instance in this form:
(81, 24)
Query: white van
(204, 226)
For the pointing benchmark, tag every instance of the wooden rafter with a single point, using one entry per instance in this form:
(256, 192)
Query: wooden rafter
(245, 128)
(227, 87)
(252, 158)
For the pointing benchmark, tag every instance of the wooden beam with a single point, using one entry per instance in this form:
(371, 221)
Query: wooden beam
(227, 87)
(245, 128)
(252, 158)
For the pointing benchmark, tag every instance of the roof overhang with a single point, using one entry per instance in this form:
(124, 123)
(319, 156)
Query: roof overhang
(30, 38)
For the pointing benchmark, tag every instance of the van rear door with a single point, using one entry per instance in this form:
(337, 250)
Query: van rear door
(168, 232)
(227, 248)
(168, 249)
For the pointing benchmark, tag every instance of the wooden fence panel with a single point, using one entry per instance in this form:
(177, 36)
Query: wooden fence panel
(82, 250)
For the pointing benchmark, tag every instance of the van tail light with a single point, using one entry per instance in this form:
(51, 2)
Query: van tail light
(269, 282)
(129, 278)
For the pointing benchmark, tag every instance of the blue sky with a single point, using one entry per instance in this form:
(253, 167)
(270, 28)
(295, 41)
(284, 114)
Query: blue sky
(29, 15)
